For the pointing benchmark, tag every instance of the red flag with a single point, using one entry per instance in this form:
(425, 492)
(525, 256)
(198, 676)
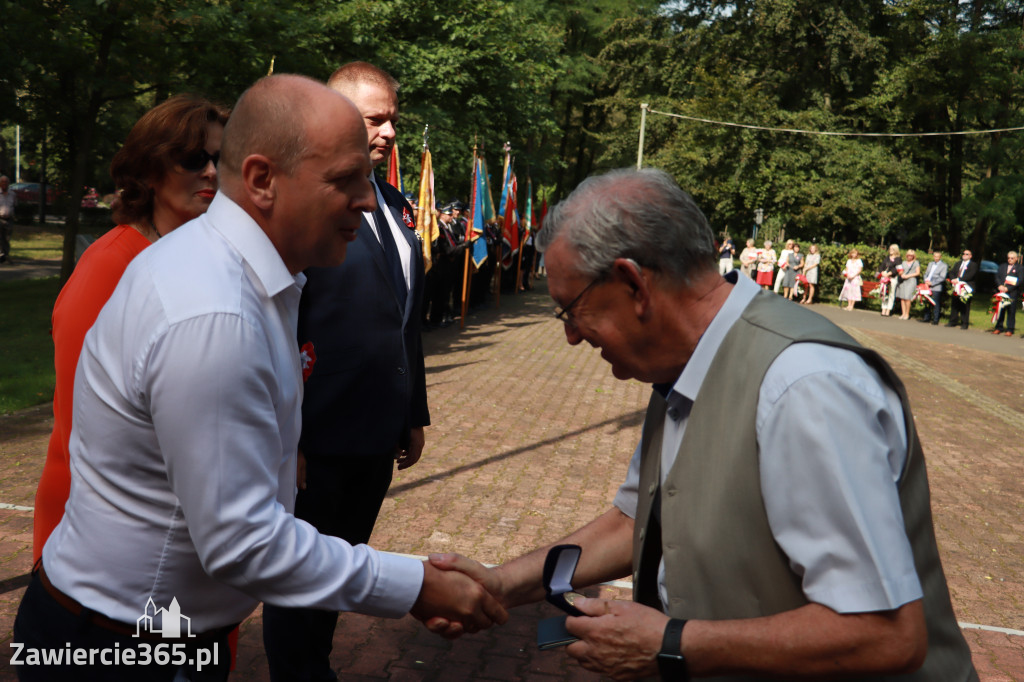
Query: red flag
(510, 231)
(394, 172)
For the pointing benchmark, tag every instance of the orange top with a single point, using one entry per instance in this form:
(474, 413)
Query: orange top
(79, 303)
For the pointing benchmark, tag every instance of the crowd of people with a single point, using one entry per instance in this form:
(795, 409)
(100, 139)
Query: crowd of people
(797, 274)
(901, 277)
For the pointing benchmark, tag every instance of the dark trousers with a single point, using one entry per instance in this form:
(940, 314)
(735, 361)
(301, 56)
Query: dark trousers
(5, 239)
(936, 311)
(959, 311)
(342, 498)
(1009, 314)
(44, 625)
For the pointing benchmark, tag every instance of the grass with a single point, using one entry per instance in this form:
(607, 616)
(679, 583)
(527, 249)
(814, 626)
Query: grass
(26, 347)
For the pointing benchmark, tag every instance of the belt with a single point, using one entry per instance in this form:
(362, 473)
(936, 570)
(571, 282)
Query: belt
(116, 626)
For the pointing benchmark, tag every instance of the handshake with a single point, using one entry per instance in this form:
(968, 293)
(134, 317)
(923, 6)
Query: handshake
(459, 595)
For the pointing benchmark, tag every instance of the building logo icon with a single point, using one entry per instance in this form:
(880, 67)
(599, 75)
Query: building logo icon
(164, 622)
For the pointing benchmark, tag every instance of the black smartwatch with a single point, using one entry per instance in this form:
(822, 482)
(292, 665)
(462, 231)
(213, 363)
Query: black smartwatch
(671, 662)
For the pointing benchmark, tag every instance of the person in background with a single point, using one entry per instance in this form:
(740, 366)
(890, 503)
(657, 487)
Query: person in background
(783, 264)
(963, 275)
(796, 265)
(851, 280)
(908, 272)
(364, 406)
(889, 272)
(1008, 281)
(726, 251)
(165, 175)
(8, 202)
(766, 265)
(811, 267)
(935, 276)
(748, 259)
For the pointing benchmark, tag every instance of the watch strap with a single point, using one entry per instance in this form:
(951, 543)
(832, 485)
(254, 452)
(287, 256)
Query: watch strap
(671, 662)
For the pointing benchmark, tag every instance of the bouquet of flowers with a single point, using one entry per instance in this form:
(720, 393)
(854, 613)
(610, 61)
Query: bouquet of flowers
(999, 302)
(882, 290)
(961, 289)
(798, 289)
(924, 293)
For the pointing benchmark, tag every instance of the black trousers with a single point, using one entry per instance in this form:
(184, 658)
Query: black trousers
(342, 498)
(959, 311)
(1009, 314)
(44, 625)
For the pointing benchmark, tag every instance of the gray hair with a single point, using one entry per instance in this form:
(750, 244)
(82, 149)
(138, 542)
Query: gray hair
(639, 214)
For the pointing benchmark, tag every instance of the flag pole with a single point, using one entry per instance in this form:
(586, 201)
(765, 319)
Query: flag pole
(643, 122)
(466, 278)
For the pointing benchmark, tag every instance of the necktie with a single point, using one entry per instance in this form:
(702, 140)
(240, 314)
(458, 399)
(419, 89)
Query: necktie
(387, 242)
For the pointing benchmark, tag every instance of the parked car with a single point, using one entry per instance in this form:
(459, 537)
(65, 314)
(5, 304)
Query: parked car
(987, 270)
(28, 192)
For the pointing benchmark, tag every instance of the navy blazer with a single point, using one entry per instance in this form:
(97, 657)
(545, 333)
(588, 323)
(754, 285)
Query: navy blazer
(1015, 270)
(367, 387)
(969, 274)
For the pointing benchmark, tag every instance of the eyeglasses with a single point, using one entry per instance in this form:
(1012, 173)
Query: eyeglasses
(565, 314)
(196, 161)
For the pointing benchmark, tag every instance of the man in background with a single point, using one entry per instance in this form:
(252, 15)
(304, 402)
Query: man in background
(365, 401)
(1008, 281)
(935, 277)
(8, 202)
(963, 275)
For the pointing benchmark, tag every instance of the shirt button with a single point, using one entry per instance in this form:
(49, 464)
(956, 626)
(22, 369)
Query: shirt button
(642, 533)
(652, 488)
(673, 413)
(401, 370)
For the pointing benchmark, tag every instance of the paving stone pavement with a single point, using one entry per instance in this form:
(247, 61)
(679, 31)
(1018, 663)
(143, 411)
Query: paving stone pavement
(531, 438)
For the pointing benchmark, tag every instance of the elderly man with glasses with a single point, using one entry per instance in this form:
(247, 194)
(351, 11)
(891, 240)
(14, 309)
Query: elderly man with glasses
(749, 557)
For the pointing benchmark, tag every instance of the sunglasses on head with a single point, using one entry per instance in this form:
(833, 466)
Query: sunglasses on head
(196, 161)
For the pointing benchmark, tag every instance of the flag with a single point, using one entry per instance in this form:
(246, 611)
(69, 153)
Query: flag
(480, 192)
(394, 171)
(510, 230)
(528, 213)
(426, 220)
(543, 212)
(507, 176)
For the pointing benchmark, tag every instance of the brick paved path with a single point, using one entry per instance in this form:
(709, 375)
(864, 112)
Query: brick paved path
(531, 438)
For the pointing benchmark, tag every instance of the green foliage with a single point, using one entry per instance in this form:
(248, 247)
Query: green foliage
(26, 348)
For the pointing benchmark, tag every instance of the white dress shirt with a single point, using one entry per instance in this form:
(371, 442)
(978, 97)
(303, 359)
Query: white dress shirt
(183, 449)
(404, 250)
(831, 439)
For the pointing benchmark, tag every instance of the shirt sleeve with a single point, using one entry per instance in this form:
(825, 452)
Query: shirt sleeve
(626, 497)
(832, 446)
(211, 395)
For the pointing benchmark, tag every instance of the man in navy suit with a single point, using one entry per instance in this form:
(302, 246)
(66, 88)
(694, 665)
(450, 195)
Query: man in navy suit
(365, 401)
(963, 272)
(1008, 281)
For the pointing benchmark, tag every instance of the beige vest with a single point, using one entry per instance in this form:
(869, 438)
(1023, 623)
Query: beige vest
(721, 559)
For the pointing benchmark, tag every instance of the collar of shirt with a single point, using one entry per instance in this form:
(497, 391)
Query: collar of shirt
(252, 243)
(682, 393)
(371, 220)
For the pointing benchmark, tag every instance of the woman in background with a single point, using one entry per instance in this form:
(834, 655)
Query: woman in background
(890, 268)
(811, 264)
(795, 265)
(165, 175)
(906, 290)
(852, 281)
(748, 259)
(766, 265)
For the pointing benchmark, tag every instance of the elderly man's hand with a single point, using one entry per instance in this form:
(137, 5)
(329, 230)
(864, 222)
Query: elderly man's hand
(620, 639)
(458, 601)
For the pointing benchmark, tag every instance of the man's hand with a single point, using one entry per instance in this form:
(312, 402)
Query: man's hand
(300, 471)
(620, 639)
(406, 458)
(486, 577)
(463, 603)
